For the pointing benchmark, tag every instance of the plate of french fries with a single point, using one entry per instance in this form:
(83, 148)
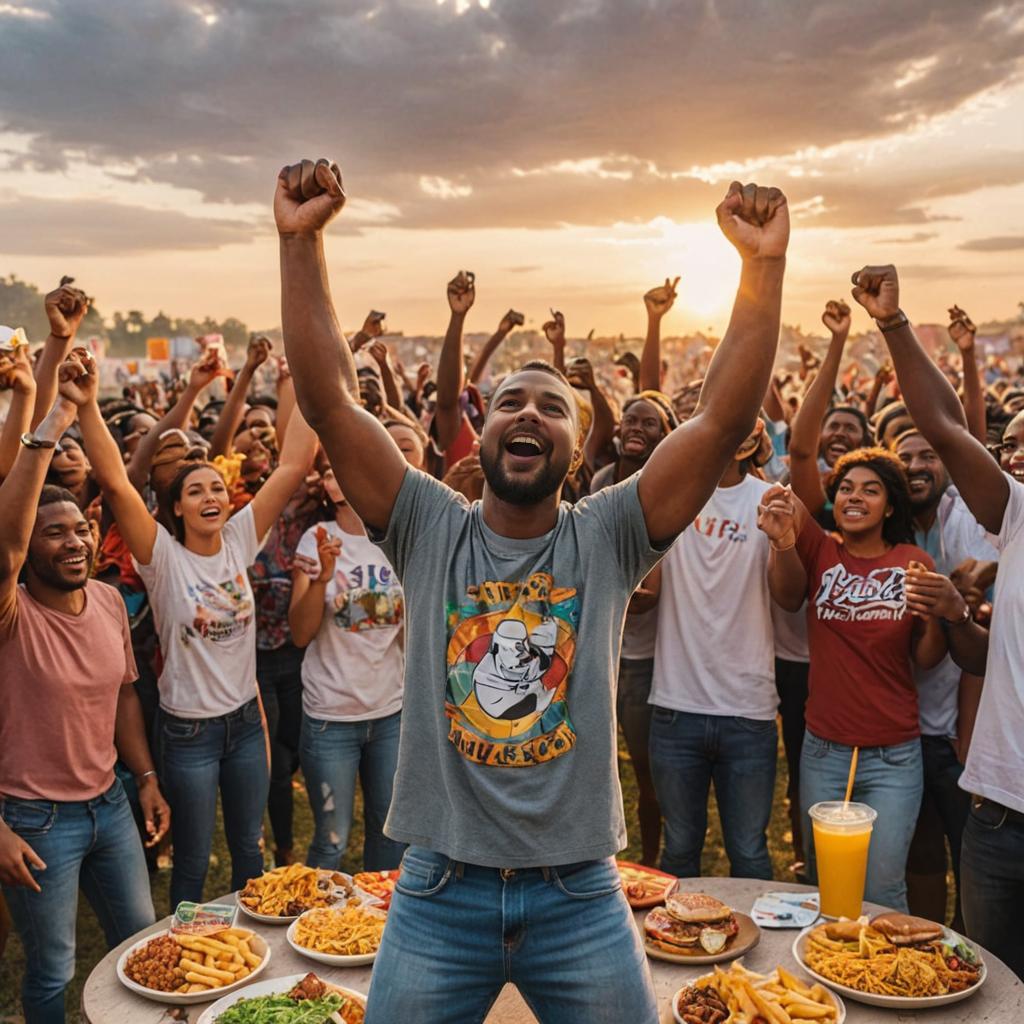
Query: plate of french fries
(742, 996)
(281, 895)
(178, 968)
(340, 936)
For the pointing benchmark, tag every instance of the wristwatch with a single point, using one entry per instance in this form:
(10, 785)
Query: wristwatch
(892, 323)
(31, 441)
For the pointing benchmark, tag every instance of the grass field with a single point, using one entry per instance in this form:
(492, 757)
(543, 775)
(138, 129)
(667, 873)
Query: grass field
(91, 946)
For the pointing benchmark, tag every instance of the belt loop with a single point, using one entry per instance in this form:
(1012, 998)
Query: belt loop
(546, 872)
(459, 869)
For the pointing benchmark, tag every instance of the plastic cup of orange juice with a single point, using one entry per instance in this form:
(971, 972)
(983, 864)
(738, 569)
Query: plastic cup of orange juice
(842, 835)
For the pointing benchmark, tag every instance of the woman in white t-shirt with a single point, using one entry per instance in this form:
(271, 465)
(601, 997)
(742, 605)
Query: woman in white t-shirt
(210, 731)
(347, 605)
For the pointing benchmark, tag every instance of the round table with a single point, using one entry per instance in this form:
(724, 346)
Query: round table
(1000, 1001)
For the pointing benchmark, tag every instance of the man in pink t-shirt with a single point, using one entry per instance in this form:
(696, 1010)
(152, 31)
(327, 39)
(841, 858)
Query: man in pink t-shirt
(65, 700)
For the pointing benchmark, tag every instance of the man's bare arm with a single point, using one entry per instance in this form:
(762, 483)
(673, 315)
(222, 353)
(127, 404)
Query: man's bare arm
(450, 375)
(231, 413)
(932, 402)
(658, 301)
(369, 466)
(806, 427)
(16, 375)
(508, 321)
(963, 332)
(684, 470)
(65, 308)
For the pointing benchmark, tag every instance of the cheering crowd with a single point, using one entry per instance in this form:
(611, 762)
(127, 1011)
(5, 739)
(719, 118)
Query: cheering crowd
(453, 584)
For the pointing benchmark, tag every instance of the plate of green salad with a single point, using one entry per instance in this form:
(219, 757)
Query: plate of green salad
(295, 999)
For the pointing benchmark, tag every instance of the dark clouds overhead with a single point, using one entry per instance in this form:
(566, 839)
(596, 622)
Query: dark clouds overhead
(434, 112)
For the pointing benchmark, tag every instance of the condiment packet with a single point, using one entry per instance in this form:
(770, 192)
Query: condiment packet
(786, 909)
(202, 918)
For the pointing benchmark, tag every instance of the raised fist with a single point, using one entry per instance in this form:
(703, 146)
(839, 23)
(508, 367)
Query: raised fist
(554, 329)
(509, 320)
(580, 374)
(877, 289)
(308, 197)
(659, 300)
(379, 351)
(961, 329)
(373, 325)
(756, 220)
(77, 379)
(837, 317)
(204, 370)
(462, 291)
(16, 371)
(257, 353)
(65, 307)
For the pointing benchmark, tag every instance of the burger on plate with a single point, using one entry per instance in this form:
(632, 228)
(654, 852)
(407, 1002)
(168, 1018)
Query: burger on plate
(905, 930)
(691, 924)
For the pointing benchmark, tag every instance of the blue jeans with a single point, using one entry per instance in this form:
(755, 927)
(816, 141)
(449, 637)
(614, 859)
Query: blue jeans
(196, 755)
(890, 780)
(690, 751)
(332, 753)
(280, 677)
(93, 844)
(456, 933)
(992, 881)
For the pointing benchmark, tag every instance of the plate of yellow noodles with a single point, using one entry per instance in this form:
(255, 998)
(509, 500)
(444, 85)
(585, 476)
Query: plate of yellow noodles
(340, 936)
(892, 960)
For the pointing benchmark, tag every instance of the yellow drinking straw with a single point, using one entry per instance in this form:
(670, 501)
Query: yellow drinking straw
(849, 781)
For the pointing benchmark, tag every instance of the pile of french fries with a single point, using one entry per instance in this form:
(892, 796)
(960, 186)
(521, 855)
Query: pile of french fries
(778, 998)
(288, 891)
(213, 961)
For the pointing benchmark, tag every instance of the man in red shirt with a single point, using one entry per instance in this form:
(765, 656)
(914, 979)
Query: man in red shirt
(65, 647)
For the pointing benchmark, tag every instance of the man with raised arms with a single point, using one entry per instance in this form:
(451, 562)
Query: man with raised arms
(513, 810)
(992, 851)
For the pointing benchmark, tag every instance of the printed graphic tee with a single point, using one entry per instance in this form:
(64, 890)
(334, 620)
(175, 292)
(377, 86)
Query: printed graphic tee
(204, 613)
(353, 668)
(861, 684)
(508, 755)
(715, 651)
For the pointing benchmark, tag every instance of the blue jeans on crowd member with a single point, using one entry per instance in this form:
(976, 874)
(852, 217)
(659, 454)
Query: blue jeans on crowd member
(688, 753)
(992, 880)
(90, 843)
(332, 754)
(456, 933)
(195, 756)
(891, 781)
(280, 677)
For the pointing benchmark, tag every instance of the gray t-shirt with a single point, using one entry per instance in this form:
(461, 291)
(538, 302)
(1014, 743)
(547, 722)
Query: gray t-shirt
(508, 753)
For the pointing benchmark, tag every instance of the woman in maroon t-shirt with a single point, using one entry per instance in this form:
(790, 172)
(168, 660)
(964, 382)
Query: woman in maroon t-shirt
(863, 645)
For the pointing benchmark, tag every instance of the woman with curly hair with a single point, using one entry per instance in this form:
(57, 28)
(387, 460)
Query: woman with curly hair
(863, 645)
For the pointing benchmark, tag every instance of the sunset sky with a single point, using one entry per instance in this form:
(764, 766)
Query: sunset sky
(570, 152)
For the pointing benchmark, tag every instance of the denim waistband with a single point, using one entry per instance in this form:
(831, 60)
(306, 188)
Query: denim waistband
(109, 792)
(229, 716)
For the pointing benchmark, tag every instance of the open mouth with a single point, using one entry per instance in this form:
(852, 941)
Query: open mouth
(524, 448)
(919, 484)
(1017, 471)
(836, 449)
(73, 561)
(634, 443)
(210, 513)
(854, 513)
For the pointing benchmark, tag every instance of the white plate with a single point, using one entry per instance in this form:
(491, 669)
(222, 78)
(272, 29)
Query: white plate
(271, 986)
(256, 944)
(334, 959)
(891, 1002)
(340, 895)
(839, 1004)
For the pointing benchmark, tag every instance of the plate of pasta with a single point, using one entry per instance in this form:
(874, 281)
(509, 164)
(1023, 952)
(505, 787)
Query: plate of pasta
(340, 936)
(893, 960)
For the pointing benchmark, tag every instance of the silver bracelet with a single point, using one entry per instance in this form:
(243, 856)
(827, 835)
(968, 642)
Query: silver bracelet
(145, 775)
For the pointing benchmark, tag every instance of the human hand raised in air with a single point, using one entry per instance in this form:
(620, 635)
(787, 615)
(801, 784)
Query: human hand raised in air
(756, 220)
(309, 195)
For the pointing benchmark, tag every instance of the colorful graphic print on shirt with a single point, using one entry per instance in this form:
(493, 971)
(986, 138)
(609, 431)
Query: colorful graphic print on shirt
(844, 596)
(510, 654)
(223, 611)
(368, 597)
